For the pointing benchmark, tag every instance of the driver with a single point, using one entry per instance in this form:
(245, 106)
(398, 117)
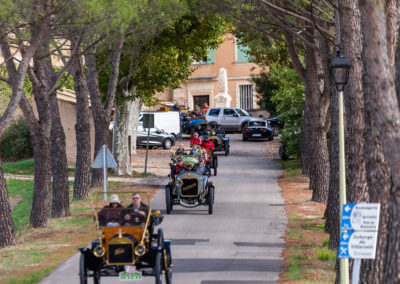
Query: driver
(180, 167)
(136, 212)
(220, 131)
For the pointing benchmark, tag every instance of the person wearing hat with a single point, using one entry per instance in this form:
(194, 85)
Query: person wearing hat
(207, 144)
(136, 212)
(110, 215)
(179, 167)
(202, 168)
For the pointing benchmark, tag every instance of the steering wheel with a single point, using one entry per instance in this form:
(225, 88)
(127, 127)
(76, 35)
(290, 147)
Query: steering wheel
(136, 218)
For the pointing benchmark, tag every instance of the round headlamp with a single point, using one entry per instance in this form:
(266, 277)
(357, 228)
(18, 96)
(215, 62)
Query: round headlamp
(98, 251)
(140, 250)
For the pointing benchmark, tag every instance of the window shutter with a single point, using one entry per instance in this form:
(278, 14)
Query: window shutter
(211, 56)
(242, 56)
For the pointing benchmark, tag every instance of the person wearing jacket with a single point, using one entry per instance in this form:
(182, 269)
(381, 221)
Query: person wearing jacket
(110, 215)
(195, 139)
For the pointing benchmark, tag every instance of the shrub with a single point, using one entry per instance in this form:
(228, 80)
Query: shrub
(15, 144)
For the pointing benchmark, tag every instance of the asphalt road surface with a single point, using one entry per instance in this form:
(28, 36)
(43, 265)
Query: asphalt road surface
(241, 243)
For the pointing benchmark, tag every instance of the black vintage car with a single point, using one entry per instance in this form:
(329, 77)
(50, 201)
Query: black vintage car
(128, 250)
(258, 130)
(189, 189)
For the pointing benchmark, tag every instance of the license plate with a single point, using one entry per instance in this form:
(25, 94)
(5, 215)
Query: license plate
(126, 276)
(256, 135)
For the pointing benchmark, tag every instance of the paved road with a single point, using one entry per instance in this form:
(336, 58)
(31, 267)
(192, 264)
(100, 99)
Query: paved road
(240, 243)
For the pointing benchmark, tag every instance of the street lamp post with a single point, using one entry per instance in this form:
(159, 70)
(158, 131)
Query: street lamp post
(340, 68)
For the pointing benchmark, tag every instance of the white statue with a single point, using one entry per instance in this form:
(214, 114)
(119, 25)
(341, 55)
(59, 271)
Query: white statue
(223, 99)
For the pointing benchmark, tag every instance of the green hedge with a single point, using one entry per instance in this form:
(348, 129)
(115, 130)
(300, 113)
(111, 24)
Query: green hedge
(15, 144)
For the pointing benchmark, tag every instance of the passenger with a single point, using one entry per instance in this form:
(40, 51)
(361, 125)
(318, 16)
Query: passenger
(220, 131)
(207, 144)
(195, 139)
(180, 151)
(110, 215)
(136, 212)
(195, 150)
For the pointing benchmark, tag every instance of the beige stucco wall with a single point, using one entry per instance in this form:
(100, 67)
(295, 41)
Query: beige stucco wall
(204, 80)
(67, 107)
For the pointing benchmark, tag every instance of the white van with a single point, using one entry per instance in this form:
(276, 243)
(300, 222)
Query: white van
(169, 121)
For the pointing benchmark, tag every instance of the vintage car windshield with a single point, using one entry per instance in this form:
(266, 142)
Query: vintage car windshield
(257, 123)
(242, 112)
(122, 209)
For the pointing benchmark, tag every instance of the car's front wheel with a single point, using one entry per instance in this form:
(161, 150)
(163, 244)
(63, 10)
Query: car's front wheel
(82, 270)
(157, 268)
(167, 143)
(244, 138)
(168, 203)
(210, 199)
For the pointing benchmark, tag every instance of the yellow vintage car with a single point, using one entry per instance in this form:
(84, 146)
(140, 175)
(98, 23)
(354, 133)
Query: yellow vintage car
(126, 245)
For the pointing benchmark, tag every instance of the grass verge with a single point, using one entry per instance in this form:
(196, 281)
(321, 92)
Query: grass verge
(40, 250)
(25, 167)
(307, 257)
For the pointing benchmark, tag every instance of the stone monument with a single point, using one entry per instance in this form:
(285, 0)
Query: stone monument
(223, 99)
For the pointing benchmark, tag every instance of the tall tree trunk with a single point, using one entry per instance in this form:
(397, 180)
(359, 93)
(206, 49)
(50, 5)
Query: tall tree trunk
(101, 114)
(353, 103)
(382, 107)
(121, 149)
(332, 208)
(82, 129)
(59, 166)
(136, 106)
(7, 230)
(40, 137)
(316, 133)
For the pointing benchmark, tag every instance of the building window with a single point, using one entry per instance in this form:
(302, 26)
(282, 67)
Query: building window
(246, 96)
(209, 59)
(241, 52)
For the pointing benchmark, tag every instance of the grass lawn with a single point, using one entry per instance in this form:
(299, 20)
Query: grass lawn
(307, 257)
(40, 250)
(25, 167)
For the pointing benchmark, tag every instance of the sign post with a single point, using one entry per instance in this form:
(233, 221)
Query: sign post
(105, 160)
(148, 122)
(358, 233)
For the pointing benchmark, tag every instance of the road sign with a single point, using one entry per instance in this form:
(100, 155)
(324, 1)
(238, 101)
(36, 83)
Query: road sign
(360, 217)
(99, 161)
(357, 245)
(148, 120)
(104, 160)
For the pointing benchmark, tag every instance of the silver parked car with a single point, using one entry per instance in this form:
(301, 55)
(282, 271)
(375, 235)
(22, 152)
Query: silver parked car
(157, 138)
(231, 119)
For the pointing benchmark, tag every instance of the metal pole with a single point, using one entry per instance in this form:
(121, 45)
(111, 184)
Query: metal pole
(344, 262)
(104, 171)
(147, 151)
(356, 271)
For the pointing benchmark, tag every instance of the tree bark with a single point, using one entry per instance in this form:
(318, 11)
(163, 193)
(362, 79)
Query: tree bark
(316, 132)
(332, 208)
(40, 137)
(101, 115)
(121, 145)
(59, 165)
(383, 113)
(135, 113)
(7, 230)
(82, 129)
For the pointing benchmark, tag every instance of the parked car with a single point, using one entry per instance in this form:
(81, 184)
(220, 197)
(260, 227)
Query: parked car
(128, 249)
(168, 121)
(157, 138)
(258, 130)
(231, 119)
